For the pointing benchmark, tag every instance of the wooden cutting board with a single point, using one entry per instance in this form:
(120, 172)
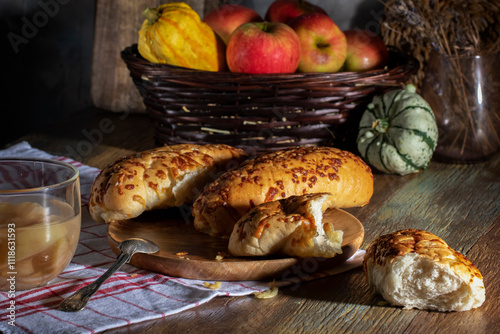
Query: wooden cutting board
(117, 23)
(185, 252)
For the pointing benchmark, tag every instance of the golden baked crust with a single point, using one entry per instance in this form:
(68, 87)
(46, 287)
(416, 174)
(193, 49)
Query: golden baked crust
(281, 174)
(427, 245)
(163, 177)
(417, 269)
(293, 226)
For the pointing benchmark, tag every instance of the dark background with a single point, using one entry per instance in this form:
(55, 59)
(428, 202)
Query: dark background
(47, 56)
(46, 73)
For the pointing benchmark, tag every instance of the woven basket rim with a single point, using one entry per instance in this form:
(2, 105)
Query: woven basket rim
(275, 110)
(405, 63)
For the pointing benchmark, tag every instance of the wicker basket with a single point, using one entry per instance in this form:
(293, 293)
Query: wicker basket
(258, 113)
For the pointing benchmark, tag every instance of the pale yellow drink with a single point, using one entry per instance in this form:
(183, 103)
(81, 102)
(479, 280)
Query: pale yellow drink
(38, 238)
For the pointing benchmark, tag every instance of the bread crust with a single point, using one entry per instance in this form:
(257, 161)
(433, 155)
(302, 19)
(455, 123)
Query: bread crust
(386, 250)
(159, 178)
(387, 247)
(281, 174)
(293, 226)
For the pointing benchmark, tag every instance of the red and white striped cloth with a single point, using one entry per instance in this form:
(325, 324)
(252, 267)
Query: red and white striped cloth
(130, 296)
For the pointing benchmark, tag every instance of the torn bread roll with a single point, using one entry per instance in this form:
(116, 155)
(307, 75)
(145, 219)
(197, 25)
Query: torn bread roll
(293, 226)
(417, 269)
(281, 174)
(163, 177)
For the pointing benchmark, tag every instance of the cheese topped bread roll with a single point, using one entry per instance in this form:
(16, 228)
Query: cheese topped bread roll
(278, 175)
(163, 177)
(417, 269)
(293, 226)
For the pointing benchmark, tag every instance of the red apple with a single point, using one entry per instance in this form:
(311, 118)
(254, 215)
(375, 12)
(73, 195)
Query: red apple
(365, 51)
(263, 47)
(226, 18)
(323, 45)
(286, 10)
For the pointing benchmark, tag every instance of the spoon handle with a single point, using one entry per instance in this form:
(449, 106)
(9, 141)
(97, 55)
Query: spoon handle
(79, 299)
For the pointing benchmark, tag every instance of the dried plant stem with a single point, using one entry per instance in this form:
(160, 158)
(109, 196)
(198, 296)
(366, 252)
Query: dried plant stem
(459, 86)
(451, 27)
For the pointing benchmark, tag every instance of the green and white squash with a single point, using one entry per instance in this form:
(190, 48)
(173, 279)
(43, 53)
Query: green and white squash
(398, 132)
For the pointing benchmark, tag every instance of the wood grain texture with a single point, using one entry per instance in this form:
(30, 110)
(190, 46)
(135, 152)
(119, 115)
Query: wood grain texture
(459, 203)
(447, 200)
(117, 24)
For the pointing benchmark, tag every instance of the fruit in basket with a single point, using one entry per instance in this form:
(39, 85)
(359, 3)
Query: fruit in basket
(263, 47)
(365, 51)
(398, 132)
(174, 34)
(322, 43)
(226, 18)
(286, 10)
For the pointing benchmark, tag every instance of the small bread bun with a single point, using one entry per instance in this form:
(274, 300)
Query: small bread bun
(278, 175)
(293, 226)
(163, 177)
(416, 269)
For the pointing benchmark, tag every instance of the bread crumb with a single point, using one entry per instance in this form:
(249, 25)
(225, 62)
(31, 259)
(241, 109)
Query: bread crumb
(214, 286)
(221, 255)
(181, 253)
(270, 293)
(134, 275)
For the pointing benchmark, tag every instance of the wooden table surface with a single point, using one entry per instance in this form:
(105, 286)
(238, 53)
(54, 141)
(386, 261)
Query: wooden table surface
(458, 202)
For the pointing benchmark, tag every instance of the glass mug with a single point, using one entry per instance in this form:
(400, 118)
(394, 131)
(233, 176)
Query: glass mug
(40, 219)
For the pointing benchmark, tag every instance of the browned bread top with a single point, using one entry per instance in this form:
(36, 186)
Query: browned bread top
(281, 174)
(427, 245)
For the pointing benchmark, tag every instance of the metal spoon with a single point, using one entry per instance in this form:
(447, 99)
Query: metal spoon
(129, 247)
